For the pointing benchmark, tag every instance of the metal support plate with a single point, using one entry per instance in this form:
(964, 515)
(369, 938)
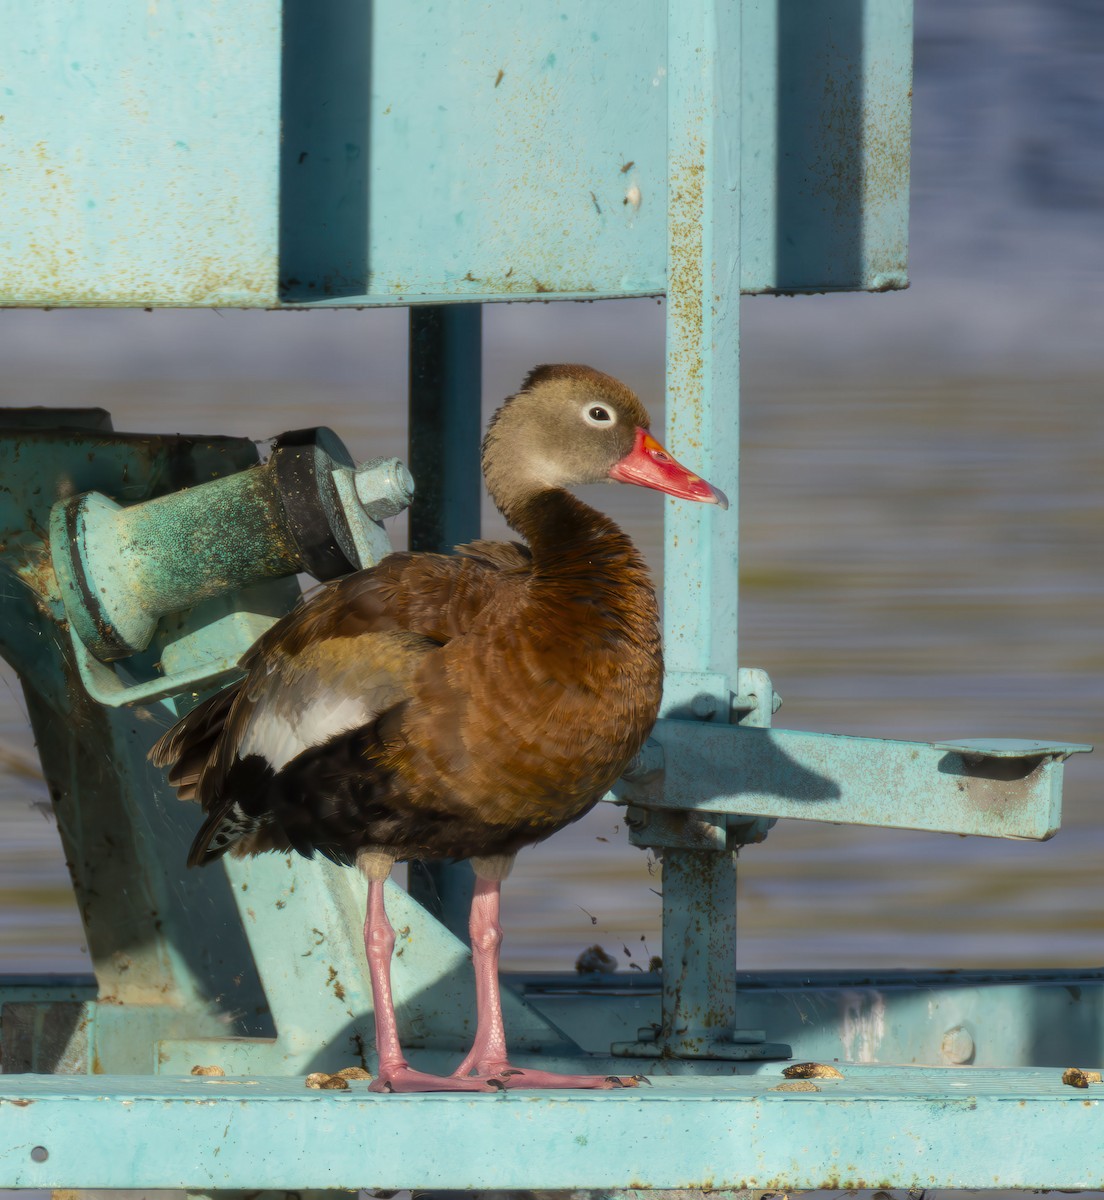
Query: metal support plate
(273, 151)
(856, 781)
(875, 1128)
(141, 152)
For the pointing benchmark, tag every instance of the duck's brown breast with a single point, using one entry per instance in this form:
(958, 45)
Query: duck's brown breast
(528, 719)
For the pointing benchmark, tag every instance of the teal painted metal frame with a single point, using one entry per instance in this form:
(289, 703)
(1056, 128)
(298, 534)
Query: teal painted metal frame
(275, 154)
(785, 169)
(875, 1128)
(734, 769)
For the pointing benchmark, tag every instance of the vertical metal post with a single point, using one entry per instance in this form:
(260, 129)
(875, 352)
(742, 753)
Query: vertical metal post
(699, 997)
(703, 330)
(445, 386)
(701, 562)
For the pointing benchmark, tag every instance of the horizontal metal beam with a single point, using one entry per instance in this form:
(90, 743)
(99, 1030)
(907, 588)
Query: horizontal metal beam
(710, 768)
(530, 162)
(919, 1018)
(876, 1128)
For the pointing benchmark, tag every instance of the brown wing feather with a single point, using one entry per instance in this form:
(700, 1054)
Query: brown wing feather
(433, 595)
(189, 746)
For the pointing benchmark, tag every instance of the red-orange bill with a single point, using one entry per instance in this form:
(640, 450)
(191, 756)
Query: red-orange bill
(649, 465)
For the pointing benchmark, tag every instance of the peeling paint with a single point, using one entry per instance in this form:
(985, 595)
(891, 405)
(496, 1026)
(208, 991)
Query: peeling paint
(862, 1025)
(105, 205)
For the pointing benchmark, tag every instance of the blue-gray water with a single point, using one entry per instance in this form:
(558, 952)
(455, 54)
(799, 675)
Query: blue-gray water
(922, 506)
(920, 560)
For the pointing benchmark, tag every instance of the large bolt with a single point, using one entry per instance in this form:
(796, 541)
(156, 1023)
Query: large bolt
(384, 487)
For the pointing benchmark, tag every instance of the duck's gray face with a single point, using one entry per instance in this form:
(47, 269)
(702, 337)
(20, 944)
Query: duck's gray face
(573, 425)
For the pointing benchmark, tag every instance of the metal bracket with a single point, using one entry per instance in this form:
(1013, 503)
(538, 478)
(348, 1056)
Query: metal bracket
(699, 789)
(235, 633)
(699, 880)
(995, 788)
(121, 570)
(975, 751)
(739, 1045)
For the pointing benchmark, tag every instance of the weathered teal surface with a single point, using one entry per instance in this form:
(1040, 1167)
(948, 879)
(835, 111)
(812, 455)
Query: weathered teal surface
(701, 572)
(718, 769)
(825, 191)
(493, 151)
(937, 1018)
(161, 940)
(140, 151)
(875, 1128)
(305, 920)
(293, 153)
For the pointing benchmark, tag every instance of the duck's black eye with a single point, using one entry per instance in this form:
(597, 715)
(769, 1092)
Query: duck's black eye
(598, 414)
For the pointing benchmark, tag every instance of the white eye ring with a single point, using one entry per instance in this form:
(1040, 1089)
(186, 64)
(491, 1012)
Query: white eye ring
(600, 415)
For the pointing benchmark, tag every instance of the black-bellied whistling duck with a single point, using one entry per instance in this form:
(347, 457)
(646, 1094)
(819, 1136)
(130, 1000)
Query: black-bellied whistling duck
(454, 706)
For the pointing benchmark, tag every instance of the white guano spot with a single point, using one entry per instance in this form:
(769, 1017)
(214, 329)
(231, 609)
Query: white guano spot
(862, 1025)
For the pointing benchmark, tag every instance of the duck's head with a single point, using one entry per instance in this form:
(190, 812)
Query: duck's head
(571, 425)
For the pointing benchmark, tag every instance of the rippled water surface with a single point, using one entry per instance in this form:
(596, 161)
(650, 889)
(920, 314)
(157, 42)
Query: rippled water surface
(921, 518)
(919, 560)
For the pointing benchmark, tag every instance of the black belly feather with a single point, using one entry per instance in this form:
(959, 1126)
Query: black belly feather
(334, 800)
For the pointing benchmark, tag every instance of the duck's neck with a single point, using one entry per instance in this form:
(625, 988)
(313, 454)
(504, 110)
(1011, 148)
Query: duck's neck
(573, 543)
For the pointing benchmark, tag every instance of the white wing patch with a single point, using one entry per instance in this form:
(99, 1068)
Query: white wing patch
(280, 736)
(329, 689)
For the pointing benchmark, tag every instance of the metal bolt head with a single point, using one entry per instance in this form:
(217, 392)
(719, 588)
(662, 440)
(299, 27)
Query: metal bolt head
(384, 487)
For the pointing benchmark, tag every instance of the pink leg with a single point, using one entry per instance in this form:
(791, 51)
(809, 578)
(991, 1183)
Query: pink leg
(487, 1057)
(395, 1074)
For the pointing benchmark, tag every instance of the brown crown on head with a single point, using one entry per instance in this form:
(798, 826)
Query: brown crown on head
(589, 376)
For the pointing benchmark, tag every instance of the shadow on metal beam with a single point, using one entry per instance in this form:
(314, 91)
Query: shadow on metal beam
(819, 215)
(324, 159)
